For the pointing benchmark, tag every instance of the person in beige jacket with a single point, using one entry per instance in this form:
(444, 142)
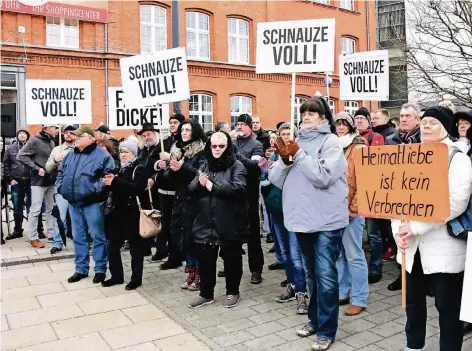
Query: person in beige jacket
(432, 255)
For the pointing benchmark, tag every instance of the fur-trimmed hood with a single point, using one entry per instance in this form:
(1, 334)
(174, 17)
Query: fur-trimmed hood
(189, 150)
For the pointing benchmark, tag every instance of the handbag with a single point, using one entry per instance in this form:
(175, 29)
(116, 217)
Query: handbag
(460, 226)
(150, 222)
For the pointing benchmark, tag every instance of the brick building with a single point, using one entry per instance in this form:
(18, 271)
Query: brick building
(220, 41)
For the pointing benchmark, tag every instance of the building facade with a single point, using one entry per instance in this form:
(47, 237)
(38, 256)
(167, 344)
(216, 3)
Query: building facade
(86, 40)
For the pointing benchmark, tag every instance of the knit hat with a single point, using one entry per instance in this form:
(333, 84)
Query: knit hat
(442, 114)
(286, 125)
(131, 145)
(245, 118)
(363, 112)
(178, 116)
(346, 117)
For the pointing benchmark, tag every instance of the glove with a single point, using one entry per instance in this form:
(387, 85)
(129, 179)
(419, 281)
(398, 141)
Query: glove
(293, 147)
(282, 149)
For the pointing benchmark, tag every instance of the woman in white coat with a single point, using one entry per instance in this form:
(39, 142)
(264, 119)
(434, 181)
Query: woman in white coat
(432, 255)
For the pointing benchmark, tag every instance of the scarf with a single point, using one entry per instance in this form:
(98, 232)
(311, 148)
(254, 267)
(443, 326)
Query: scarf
(125, 165)
(410, 137)
(347, 139)
(225, 160)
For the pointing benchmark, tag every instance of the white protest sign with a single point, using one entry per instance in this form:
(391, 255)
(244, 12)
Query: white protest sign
(159, 78)
(295, 46)
(58, 101)
(120, 117)
(364, 76)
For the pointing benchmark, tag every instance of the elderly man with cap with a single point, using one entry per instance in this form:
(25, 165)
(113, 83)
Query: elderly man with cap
(79, 181)
(249, 152)
(364, 126)
(102, 132)
(55, 159)
(34, 156)
(165, 188)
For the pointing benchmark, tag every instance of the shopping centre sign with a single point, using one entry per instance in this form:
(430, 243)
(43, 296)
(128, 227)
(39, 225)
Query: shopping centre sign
(88, 11)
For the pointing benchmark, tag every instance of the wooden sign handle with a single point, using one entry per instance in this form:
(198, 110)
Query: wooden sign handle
(403, 276)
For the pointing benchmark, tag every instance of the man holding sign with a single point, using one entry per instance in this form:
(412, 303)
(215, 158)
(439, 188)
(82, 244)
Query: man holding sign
(397, 182)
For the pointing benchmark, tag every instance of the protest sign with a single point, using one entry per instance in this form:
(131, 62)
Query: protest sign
(58, 101)
(403, 181)
(159, 78)
(364, 76)
(120, 117)
(295, 46)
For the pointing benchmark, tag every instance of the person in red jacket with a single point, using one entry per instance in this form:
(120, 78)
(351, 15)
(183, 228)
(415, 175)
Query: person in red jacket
(363, 125)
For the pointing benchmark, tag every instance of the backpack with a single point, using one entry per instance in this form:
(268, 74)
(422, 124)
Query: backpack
(460, 226)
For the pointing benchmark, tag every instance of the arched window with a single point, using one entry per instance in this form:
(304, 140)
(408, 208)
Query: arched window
(351, 107)
(240, 105)
(296, 111)
(348, 46)
(201, 109)
(198, 36)
(238, 40)
(153, 28)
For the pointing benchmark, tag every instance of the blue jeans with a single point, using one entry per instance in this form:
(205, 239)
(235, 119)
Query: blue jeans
(89, 218)
(63, 207)
(376, 246)
(290, 254)
(20, 197)
(352, 265)
(320, 252)
(191, 259)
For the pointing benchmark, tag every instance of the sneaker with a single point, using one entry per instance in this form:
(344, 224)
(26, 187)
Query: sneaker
(200, 301)
(287, 296)
(232, 300)
(37, 244)
(321, 344)
(189, 280)
(306, 331)
(302, 306)
(195, 286)
(389, 255)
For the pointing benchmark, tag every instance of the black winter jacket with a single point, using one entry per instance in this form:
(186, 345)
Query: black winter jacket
(263, 138)
(14, 169)
(250, 151)
(123, 222)
(34, 156)
(222, 213)
(161, 182)
(385, 130)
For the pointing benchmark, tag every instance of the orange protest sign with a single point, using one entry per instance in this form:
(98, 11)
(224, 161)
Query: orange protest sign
(403, 181)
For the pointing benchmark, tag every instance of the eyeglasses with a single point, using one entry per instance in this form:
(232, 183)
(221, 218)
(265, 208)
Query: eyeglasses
(360, 118)
(213, 146)
(124, 151)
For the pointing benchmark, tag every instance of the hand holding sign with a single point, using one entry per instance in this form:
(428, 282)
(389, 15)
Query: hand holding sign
(176, 165)
(164, 156)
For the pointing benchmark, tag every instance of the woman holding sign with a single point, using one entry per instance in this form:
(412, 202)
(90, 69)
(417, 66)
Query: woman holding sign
(312, 176)
(352, 265)
(432, 255)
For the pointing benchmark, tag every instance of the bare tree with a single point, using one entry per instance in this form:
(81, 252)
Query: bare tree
(439, 50)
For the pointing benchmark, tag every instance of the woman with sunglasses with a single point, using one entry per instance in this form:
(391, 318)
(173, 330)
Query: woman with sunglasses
(222, 219)
(122, 220)
(186, 155)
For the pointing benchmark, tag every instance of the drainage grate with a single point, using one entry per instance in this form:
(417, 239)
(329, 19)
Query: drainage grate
(36, 260)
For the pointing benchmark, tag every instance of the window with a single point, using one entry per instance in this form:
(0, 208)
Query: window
(240, 105)
(201, 109)
(390, 21)
(351, 107)
(347, 4)
(331, 106)
(198, 36)
(325, 2)
(348, 46)
(153, 28)
(296, 112)
(62, 32)
(238, 40)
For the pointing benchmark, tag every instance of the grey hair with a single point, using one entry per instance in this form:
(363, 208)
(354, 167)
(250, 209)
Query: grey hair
(414, 106)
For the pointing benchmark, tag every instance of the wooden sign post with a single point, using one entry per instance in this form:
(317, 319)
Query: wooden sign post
(404, 182)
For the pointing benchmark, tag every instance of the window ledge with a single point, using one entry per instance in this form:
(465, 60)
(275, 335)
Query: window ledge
(349, 11)
(323, 5)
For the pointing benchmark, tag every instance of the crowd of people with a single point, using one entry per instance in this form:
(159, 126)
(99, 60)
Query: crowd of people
(215, 189)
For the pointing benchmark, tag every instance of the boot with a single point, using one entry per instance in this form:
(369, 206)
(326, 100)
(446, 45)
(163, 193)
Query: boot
(190, 278)
(195, 286)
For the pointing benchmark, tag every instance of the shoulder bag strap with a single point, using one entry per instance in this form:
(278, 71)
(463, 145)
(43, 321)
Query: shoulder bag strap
(454, 151)
(149, 191)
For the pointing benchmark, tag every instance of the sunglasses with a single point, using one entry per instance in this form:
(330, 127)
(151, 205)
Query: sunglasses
(124, 151)
(218, 146)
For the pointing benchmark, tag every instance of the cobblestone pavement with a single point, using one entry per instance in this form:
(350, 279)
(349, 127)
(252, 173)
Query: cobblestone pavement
(41, 311)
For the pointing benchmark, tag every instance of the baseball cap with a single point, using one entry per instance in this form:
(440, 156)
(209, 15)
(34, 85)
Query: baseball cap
(103, 128)
(84, 130)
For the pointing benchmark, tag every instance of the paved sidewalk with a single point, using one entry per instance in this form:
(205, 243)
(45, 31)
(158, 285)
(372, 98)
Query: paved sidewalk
(41, 311)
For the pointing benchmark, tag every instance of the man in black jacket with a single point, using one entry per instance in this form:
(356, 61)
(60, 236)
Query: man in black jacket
(18, 176)
(260, 134)
(250, 151)
(34, 156)
(165, 189)
(381, 123)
